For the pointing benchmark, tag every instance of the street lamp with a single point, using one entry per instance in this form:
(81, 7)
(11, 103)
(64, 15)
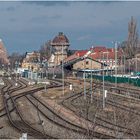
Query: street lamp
(86, 55)
(16, 66)
(63, 69)
(136, 64)
(104, 78)
(84, 80)
(103, 84)
(123, 62)
(91, 80)
(108, 62)
(116, 46)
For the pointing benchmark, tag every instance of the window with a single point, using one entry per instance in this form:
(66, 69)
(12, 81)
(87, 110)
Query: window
(86, 62)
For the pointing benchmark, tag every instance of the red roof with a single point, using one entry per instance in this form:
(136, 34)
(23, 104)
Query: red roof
(99, 48)
(71, 57)
(99, 52)
(81, 53)
(60, 38)
(77, 54)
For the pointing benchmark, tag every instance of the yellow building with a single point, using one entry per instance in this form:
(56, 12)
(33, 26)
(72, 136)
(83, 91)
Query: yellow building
(31, 61)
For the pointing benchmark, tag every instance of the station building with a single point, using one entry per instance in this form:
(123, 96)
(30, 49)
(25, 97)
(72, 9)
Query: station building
(31, 61)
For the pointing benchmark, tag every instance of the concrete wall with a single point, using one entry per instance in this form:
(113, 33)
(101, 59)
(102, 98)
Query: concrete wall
(89, 64)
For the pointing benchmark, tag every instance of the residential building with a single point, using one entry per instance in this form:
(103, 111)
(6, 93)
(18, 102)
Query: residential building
(107, 56)
(31, 61)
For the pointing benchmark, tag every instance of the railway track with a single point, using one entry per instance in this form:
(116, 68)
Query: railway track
(120, 97)
(23, 126)
(101, 122)
(23, 85)
(128, 92)
(32, 99)
(19, 123)
(60, 121)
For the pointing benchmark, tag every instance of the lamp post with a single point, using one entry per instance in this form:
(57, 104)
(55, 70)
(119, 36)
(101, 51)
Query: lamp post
(53, 72)
(136, 65)
(108, 62)
(86, 55)
(91, 80)
(63, 69)
(116, 46)
(103, 83)
(84, 80)
(16, 66)
(104, 78)
(123, 62)
(106, 59)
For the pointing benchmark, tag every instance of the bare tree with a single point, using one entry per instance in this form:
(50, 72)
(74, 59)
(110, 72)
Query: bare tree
(15, 57)
(132, 41)
(46, 50)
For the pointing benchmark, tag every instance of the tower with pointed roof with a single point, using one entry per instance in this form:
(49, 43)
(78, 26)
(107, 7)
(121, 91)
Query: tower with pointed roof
(60, 45)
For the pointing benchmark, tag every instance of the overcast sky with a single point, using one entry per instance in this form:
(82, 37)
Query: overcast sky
(25, 26)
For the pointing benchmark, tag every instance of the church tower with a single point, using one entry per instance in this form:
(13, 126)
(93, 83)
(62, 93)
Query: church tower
(60, 45)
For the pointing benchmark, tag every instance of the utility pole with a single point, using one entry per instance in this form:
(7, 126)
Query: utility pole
(108, 62)
(84, 80)
(124, 64)
(16, 65)
(91, 81)
(115, 64)
(53, 72)
(86, 55)
(103, 85)
(136, 64)
(63, 69)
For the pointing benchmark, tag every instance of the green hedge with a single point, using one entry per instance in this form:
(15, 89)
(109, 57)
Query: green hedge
(135, 82)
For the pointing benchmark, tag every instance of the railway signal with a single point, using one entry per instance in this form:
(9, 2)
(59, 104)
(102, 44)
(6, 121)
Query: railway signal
(24, 136)
(71, 87)
(105, 94)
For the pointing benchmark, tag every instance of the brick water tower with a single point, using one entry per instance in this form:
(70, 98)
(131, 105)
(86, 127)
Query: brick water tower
(60, 45)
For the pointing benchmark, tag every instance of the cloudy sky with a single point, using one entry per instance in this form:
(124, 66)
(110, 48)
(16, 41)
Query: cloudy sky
(25, 26)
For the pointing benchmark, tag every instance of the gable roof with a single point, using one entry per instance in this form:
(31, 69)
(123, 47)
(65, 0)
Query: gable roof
(77, 59)
(80, 53)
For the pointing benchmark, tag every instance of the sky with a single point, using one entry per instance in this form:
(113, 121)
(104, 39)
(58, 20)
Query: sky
(26, 25)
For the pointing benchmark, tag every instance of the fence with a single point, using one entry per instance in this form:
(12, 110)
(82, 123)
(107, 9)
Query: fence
(135, 82)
